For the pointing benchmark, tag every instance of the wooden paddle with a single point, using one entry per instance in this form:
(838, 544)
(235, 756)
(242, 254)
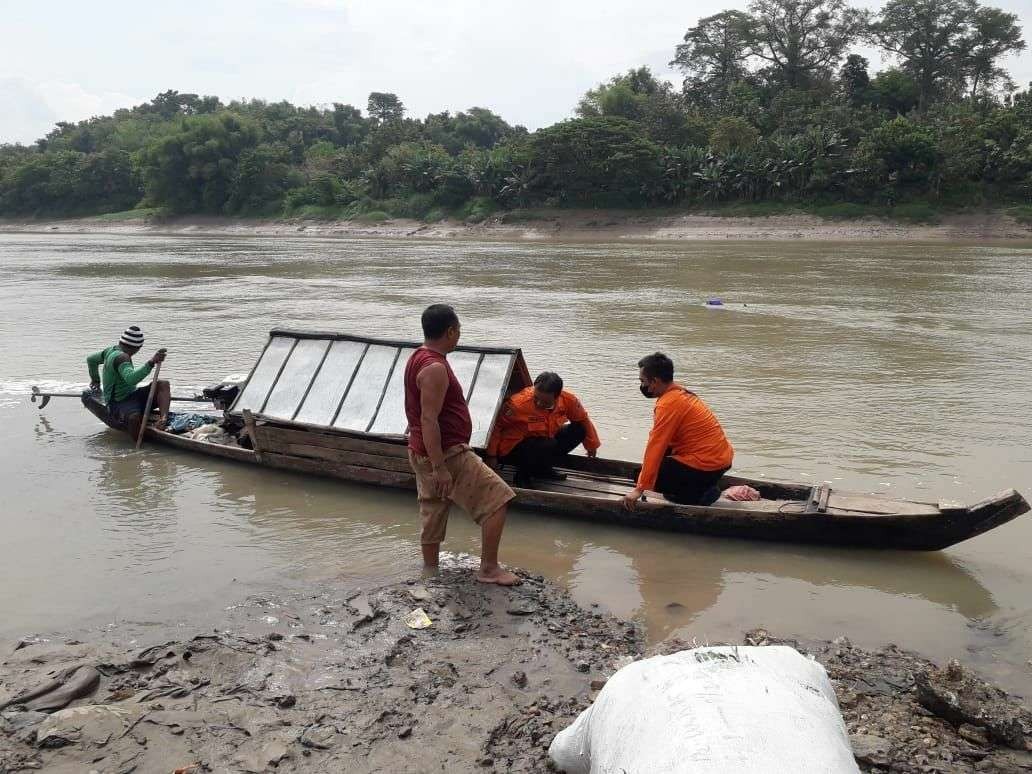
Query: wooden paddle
(150, 403)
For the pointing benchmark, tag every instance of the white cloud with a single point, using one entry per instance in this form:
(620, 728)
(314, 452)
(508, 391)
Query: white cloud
(25, 111)
(32, 108)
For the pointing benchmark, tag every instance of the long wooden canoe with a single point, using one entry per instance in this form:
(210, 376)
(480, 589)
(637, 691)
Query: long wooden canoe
(594, 488)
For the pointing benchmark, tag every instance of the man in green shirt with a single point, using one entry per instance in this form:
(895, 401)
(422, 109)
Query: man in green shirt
(113, 368)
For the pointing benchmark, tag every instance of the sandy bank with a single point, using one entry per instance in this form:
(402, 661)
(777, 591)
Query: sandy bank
(572, 226)
(336, 680)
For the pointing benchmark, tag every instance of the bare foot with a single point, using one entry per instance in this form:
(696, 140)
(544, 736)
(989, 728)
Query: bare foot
(498, 576)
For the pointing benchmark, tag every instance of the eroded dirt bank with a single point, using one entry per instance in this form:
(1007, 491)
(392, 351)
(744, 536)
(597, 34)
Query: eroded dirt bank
(569, 226)
(336, 679)
(327, 681)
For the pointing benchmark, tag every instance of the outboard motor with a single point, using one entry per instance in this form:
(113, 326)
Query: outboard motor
(225, 392)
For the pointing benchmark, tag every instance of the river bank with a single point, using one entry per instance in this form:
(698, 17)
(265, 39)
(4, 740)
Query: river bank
(564, 226)
(338, 679)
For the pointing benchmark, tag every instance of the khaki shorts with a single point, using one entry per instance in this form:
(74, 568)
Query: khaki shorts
(478, 490)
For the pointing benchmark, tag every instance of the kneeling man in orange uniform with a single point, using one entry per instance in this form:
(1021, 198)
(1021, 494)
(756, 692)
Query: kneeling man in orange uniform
(687, 452)
(538, 426)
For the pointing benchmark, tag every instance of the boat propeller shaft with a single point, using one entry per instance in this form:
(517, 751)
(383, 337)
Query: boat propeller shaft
(44, 397)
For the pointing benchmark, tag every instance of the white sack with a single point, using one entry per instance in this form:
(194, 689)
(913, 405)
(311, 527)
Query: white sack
(732, 710)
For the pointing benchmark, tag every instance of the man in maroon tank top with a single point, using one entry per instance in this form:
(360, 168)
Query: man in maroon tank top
(447, 470)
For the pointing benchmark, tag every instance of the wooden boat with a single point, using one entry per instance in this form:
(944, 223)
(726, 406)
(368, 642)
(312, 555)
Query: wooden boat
(331, 404)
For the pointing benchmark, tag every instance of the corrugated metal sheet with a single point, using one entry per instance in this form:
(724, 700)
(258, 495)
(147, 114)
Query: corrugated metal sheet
(357, 384)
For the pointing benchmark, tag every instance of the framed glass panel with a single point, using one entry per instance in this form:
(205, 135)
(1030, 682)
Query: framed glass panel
(391, 418)
(364, 396)
(294, 379)
(264, 375)
(486, 397)
(330, 383)
(464, 364)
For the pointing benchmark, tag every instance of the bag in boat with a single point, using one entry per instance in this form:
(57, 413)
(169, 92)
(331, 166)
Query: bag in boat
(727, 709)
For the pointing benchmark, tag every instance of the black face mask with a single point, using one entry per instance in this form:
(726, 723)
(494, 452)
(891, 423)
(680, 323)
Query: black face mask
(645, 390)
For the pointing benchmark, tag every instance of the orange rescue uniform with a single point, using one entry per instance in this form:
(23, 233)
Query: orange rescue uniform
(520, 419)
(686, 429)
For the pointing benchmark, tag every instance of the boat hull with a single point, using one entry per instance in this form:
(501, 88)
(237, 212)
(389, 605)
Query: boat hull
(594, 488)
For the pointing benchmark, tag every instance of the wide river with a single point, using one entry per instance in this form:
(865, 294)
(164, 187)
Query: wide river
(896, 368)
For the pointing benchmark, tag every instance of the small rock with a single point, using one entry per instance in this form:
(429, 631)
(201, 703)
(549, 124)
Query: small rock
(965, 699)
(419, 593)
(842, 642)
(521, 607)
(954, 671)
(486, 761)
(519, 679)
(583, 666)
(16, 721)
(598, 684)
(974, 734)
(757, 637)
(870, 749)
(405, 733)
(318, 737)
(274, 636)
(286, 702)
(90, 724)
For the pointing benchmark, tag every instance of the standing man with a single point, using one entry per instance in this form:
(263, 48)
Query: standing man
(447, 470)
(538, 426)
(687, 451)
(113, 367)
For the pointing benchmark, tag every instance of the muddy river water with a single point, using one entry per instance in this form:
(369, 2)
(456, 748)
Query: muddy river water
(899, 368)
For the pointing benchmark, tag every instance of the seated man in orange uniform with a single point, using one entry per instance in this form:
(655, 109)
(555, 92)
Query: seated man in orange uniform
(687, 452)
(537, 427)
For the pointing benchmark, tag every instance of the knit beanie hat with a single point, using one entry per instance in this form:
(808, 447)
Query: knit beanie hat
(133, 337)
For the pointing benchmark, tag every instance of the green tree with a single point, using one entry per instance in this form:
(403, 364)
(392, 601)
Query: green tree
(854, 80)
(108, 182)
(901, 154)
(171, 103)
(351, 127)
(193, 169)
(714, 55)
(993, 34)
(261, 179)
(639, 96)
(732, 133)
(594, 161)
(43, 184)
(803, 40)
(929, 37)
(384, 107)
(477, 127)
(895, 91)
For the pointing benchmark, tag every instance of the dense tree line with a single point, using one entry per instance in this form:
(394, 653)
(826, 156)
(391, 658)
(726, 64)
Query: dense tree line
(775, 106)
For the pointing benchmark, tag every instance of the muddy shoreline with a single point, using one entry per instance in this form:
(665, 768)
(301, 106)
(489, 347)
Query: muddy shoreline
(335, 679)
(567, 226)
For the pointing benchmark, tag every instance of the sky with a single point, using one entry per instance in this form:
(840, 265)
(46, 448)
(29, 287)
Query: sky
(528, 60)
